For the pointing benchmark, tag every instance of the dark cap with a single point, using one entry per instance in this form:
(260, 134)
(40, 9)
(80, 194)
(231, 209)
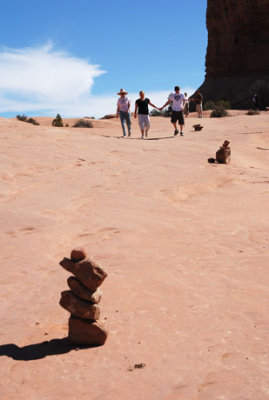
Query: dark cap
(177, 88)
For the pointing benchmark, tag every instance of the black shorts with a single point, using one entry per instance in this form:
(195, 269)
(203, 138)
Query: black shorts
(177, 116)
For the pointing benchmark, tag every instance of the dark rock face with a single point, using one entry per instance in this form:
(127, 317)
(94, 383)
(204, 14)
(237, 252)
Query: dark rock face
(237, 60)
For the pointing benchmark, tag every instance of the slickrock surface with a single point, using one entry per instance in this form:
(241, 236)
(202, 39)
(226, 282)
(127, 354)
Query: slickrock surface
(82, 331)
(83, 292)
(237, 59)
(185, 245)
(78, 307)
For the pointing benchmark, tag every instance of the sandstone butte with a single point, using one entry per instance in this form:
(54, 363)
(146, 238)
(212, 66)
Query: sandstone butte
(237, 59)
(184, 244)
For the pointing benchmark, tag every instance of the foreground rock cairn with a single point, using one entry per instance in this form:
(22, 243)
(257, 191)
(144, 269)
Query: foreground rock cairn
(83, 299)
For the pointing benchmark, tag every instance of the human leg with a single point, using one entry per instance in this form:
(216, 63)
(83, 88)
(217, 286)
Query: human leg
(122, 120)
(174, 119)
(181, 122)
(143, 124)
(129, 123)
(147, 125)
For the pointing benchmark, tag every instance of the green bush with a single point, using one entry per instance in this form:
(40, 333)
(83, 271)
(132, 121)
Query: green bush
(58, 121)
(25, 119)
(81, 123)
(211, 105)
(155, 113)
(218, 112)
(22, 117)
(32, 121)
(225, 104)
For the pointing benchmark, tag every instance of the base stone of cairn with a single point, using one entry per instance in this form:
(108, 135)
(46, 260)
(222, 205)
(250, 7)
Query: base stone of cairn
(82, 332)
(81, 301)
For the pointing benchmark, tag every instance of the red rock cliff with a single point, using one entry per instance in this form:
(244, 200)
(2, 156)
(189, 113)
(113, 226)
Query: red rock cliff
(237, 60)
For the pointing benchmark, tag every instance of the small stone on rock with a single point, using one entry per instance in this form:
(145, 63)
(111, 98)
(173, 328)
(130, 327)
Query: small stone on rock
(78, 254)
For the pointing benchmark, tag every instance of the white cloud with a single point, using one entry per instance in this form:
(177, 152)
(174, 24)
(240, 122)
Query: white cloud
(47, 81)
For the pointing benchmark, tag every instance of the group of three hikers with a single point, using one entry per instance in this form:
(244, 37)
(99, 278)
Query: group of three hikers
(179, 104)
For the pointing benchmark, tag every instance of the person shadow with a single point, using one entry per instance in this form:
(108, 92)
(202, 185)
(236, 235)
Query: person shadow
(39, 350)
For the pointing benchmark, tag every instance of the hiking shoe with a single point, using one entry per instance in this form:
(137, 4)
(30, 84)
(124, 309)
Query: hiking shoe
(181, 134)
(176, 132)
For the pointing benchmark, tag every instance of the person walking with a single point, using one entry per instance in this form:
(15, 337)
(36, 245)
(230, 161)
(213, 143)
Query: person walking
(142, 106)
(187, 106)
(123, 111)
(177, 101)
(199, 103)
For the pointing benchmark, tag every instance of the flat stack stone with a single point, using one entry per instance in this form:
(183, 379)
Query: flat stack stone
(82, 299)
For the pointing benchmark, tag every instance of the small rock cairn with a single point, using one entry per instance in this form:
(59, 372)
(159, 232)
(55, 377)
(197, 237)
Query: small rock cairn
(83, 298)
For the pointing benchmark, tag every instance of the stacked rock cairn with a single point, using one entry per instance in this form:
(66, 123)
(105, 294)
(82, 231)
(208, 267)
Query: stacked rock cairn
(83, 299)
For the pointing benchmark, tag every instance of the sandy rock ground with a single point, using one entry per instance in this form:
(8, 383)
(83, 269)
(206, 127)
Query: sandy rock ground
(185, 245)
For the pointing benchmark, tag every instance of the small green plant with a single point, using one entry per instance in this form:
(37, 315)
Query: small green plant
(58, 121)
(253, 112)
(218, 112)
(81, 123)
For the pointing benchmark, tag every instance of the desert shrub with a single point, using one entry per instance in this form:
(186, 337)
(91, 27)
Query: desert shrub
(155, 113)
(66, 125)
(211, 105)
(22, 117)
(81, 123)
(32, 121)
(218, 112)
(58, 121)
(25, 119)
(224, 103)
(253, 112)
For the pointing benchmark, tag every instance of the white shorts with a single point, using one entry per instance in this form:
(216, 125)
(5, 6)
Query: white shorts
(143, 120)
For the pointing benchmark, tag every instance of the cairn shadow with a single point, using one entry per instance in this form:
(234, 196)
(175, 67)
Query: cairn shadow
(39, 350)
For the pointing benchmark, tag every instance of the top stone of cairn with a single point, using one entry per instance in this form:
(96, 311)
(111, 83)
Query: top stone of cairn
(86, 271)
(78, 254)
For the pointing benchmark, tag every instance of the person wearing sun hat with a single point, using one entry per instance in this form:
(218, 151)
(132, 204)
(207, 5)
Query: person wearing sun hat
(123, 111)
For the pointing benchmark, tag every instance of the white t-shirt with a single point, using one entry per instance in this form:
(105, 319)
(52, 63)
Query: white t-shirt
(123, 103)
(177, 101)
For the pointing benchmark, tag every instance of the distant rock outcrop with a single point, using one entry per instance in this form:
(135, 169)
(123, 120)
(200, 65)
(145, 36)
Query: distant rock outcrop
(237, 60)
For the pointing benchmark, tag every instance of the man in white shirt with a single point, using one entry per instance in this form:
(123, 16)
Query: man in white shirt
(178, 103)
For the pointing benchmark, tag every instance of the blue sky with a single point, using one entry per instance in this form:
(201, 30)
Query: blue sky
(73, 56)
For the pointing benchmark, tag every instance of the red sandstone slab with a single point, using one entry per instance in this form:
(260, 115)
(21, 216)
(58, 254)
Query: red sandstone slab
(78, 307)
(82, 332)
(88, 272)
(84, 293)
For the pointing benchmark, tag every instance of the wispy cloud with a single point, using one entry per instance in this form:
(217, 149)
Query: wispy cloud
(47, 81)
